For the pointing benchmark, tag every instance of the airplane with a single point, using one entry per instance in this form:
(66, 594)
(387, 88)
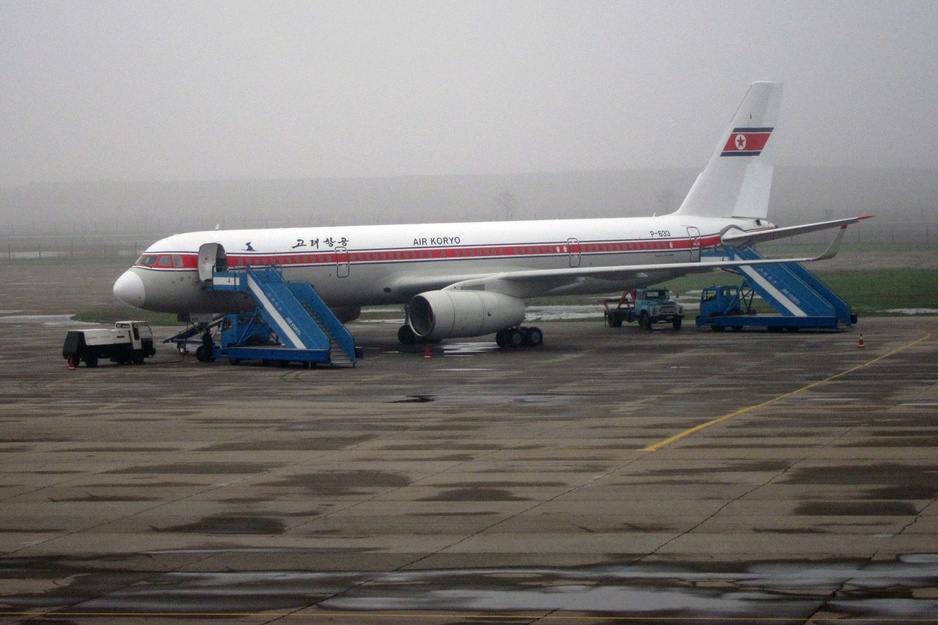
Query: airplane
(471, 279)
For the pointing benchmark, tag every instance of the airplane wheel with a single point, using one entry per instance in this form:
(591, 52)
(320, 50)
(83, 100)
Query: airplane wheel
(501, 339)
(533, 337)
(515, 338)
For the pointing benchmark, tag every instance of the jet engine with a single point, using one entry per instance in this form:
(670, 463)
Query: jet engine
(453, 314)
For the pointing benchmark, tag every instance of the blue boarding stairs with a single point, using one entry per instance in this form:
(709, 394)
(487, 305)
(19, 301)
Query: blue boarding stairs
(290, 324)
(799, 297)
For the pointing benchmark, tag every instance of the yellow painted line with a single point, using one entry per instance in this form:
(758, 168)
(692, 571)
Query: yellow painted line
(729, 416)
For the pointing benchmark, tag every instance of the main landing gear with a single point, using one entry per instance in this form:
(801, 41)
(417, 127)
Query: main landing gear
(519, 337)
(512, 337)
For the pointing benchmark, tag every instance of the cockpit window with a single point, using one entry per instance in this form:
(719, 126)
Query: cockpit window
(147, 260)
(165, 261)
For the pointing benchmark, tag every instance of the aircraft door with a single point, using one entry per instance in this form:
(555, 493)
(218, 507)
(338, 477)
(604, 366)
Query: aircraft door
(573, 249)
(694, 234)
(212, 258)
(342, 262)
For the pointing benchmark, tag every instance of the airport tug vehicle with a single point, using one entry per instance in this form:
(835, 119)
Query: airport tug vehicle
(127, 341)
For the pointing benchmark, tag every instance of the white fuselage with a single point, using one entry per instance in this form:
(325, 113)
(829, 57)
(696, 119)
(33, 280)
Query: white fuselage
(351, 266)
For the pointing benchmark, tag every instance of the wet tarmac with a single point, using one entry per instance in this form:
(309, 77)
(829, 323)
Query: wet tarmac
(479, 485)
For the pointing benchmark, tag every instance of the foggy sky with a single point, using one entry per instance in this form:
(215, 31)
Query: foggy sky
(161, 90)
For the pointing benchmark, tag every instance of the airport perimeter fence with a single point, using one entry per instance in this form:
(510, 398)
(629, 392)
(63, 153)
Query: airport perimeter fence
(874, 232)
(64, 246)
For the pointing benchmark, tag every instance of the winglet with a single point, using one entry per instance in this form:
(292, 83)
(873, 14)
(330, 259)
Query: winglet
(834, 247)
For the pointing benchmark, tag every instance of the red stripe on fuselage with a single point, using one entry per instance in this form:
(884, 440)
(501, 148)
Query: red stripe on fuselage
(473, 252)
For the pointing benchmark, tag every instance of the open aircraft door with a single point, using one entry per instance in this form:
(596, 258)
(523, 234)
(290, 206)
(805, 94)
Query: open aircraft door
(212, 258)
(694, 234)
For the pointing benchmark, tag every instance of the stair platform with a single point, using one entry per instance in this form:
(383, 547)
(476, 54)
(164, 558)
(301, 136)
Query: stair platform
(290, 324)
(800, 299)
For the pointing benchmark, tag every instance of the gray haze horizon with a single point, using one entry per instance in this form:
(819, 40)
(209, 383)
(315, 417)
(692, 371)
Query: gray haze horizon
(126, 91)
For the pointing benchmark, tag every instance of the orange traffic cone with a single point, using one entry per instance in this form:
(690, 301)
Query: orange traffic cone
(71, 363)
(861, 344)
(426, 352)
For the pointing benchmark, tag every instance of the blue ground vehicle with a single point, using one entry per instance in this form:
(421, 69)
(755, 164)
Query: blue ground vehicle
(723, 302)
(647, 306)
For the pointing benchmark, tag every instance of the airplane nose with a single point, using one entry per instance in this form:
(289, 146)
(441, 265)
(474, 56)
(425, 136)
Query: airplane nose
(129, 289)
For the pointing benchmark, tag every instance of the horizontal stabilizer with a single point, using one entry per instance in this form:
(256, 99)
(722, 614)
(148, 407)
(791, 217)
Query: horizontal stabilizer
(740, 238)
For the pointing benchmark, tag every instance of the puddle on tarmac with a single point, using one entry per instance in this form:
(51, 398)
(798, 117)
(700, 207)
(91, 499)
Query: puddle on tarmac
(479, 398)
(46, 320)
(793, 590)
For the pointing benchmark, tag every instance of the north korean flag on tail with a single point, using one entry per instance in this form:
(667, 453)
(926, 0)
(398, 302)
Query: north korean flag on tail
(746, 141)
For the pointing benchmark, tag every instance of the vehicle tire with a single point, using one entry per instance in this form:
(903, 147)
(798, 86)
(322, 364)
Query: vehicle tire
(718, 328)
(630, 316)
(677, 323)
(613, 320)
(234, 361)
(515, 338)
(91, 361)
(737, 328)
(644, 321)
(204, 354)
(533, 337)
(137, 358)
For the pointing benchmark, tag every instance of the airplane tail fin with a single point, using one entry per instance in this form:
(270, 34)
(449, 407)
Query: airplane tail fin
(737, 179)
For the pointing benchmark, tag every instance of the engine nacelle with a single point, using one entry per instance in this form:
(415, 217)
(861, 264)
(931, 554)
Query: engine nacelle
(454, 314)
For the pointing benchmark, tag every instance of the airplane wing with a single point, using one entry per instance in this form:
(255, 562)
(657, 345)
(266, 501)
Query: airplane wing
(524, 283)
(742, 238)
